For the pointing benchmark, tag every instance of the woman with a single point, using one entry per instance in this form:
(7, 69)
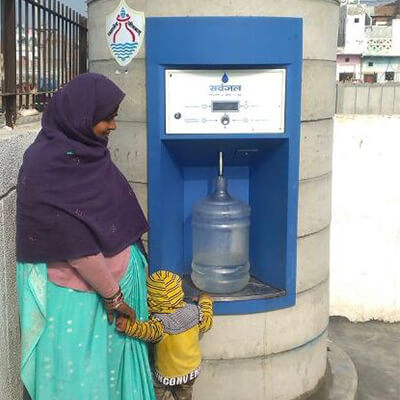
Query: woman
(78, 251)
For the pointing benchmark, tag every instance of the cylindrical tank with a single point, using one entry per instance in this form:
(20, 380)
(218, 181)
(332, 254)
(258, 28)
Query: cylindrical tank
(278, 355)
(220, 227)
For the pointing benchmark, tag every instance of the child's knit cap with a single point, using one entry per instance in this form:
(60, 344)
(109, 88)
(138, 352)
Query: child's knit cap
(165, 294)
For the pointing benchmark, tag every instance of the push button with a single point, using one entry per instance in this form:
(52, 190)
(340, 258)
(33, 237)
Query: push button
(225, 119)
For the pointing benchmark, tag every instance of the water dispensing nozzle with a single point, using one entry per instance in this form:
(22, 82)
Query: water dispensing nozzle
(221, 164)
(221, 185)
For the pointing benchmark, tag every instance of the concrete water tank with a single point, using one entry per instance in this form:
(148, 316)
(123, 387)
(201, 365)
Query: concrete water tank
(278, 355)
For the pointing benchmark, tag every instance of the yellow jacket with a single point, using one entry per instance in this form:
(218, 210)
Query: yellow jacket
(177, 354)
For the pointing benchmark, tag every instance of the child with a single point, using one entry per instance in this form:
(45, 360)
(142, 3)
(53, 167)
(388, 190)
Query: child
(174, 327)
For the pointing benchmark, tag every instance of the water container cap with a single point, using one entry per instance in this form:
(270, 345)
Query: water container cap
(220, 204)
(221, 189)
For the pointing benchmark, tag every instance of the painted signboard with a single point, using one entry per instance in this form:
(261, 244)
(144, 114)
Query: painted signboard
(125, 33)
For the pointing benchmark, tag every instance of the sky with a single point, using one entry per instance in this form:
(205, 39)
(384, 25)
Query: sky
(77, 5)
(376, 2)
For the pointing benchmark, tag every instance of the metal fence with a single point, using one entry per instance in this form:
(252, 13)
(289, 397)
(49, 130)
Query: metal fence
(44, 45)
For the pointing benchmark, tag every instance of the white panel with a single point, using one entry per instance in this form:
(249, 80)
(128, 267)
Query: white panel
(225, 101)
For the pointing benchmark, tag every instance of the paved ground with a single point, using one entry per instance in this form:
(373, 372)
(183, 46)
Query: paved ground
(375, 350)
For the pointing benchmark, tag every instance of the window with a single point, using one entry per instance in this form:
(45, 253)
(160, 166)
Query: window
(346, 76)
(347, 59)
(370, 64)
(389, 76)
(356, 20)
(370, 78)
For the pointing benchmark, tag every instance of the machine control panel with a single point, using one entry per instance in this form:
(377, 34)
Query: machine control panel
(225, 101)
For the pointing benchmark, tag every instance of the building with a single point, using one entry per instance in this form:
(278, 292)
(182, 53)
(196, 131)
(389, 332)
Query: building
(369, 43)
(386, 13)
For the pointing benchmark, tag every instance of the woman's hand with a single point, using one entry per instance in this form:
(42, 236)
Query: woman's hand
(121, 324)
(123, 309)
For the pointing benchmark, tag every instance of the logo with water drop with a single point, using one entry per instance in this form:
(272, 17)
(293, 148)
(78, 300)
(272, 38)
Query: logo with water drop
(125, 32)
(225, 78)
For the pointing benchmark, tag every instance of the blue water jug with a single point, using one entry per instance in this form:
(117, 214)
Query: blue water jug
(220, 228)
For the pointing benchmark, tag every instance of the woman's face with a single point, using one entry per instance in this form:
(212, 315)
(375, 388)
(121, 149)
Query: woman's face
(106, 126)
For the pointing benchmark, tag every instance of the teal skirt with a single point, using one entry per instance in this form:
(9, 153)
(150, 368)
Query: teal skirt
(70, 351)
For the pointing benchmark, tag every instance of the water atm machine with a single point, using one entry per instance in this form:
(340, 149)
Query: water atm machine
(226, 86)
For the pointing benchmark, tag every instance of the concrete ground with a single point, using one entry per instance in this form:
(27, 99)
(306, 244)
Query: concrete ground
(375, 350)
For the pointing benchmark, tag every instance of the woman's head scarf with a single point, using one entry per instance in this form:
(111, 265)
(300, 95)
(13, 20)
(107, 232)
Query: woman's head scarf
(72, 200)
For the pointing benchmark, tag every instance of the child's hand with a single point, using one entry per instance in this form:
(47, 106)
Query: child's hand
(121, 324)
(200, 296)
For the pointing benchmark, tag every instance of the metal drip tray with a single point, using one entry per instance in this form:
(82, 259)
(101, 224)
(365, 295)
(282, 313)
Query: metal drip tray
(254, 290)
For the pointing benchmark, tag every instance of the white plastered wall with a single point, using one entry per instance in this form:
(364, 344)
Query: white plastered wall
(365, 230)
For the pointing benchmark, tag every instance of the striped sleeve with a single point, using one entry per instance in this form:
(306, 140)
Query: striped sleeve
(206, 312)
(149, 331)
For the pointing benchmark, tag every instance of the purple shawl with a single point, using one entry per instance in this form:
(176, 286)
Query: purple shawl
(72, 201)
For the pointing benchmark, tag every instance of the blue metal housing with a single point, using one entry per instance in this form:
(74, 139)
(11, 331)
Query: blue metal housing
(182, 168)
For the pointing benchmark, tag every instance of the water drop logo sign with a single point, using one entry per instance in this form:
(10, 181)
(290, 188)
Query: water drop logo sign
(125, 33)
(225, 78)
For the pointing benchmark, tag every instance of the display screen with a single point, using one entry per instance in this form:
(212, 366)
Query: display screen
(225, 106)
